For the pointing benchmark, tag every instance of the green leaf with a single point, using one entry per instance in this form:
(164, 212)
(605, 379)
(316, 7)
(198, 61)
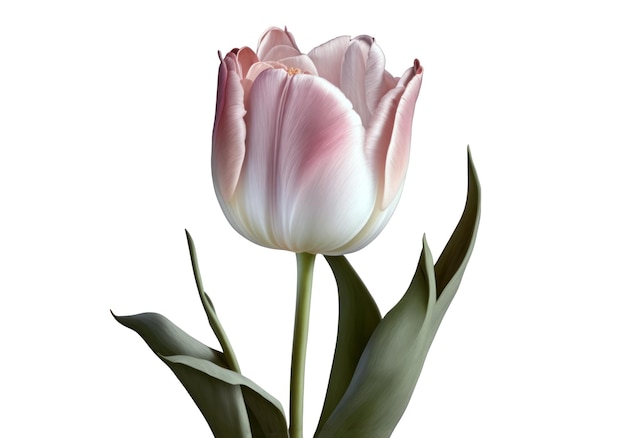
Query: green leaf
(209, 309)
(392, 361)
(166, 339)
(221, 403)
(267, 418)
(266, 410)
(390, 364)
(358, 317)
(451, 264)
(232, 405)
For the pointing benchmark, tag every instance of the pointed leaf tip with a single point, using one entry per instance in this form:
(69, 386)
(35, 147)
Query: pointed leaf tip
(228, 416)
(214, 321)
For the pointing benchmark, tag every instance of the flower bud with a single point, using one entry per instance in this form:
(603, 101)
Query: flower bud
(310, 152)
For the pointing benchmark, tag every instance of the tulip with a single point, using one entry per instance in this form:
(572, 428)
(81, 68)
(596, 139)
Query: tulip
(310, 151)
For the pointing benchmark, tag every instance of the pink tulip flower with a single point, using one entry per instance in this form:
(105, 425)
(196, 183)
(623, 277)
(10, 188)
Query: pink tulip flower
(310, 151)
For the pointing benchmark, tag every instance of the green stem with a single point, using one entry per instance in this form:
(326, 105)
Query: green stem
(300, 335)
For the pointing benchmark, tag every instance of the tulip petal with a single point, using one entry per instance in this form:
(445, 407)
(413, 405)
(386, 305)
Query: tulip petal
(353, 80)
(229, 131)
(307, 184)
(272, 37)
(376, 223)
(407, 76)
(382, 139)
(257, 68)
(277, 53)
(328, 59)
(363, 76)
(379, 132)
(377, 140)
(246, 58)
(397, 159)
(390, 81)
(375, 83)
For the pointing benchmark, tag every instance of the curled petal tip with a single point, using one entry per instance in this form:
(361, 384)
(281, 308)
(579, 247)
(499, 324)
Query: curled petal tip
(417, 67)
(219, 55)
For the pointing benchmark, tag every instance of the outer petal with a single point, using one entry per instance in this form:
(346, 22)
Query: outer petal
(390, 81)
(328, 59)
(306, 183)
(377, 222)
(397, 159)
(275, 37)
(377, 141)
(375, 84)
(388, 139)
(229, 130)
(378, 136)
(363, 76)
(388, 143)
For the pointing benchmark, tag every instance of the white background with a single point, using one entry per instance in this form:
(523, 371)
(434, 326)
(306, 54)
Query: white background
(106, 112)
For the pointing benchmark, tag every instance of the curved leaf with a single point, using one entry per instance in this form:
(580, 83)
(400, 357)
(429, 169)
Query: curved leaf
(386, 374)
(390, 365)
(166, 339)
(209, 309)
(451, 264)
(358, 317)
(221, 404)
(265, 420)
(267, 411)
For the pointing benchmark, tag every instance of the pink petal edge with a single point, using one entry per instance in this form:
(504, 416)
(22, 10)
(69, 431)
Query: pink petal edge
(397, 159)
(229, 131)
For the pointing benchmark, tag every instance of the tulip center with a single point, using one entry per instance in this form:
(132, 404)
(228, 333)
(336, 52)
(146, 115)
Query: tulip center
(293, 71)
